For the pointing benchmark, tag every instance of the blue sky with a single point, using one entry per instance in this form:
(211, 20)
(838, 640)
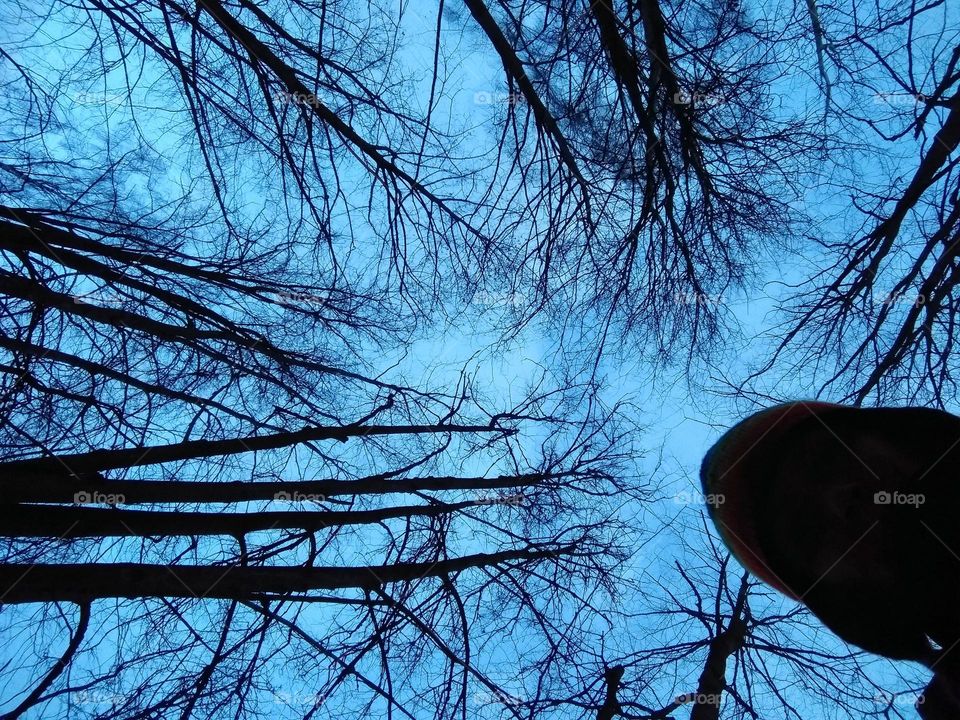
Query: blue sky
(682, 415)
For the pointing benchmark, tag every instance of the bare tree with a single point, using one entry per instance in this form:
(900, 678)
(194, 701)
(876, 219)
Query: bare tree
(405, 550)
(664, 155)
(228, 231)
(876, 320)
(189, 350)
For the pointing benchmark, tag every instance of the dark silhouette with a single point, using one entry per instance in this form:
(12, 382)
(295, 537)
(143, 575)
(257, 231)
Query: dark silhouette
(852, 511)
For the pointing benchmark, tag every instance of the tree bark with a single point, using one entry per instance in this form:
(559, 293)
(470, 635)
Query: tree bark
(23, 583)
(51, 487)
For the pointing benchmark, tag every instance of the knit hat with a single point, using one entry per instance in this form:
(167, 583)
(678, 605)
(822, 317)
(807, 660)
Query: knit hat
(728, 474)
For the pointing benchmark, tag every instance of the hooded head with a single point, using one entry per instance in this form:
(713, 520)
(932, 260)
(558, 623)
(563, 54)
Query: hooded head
(730, 471)
(851, 511)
